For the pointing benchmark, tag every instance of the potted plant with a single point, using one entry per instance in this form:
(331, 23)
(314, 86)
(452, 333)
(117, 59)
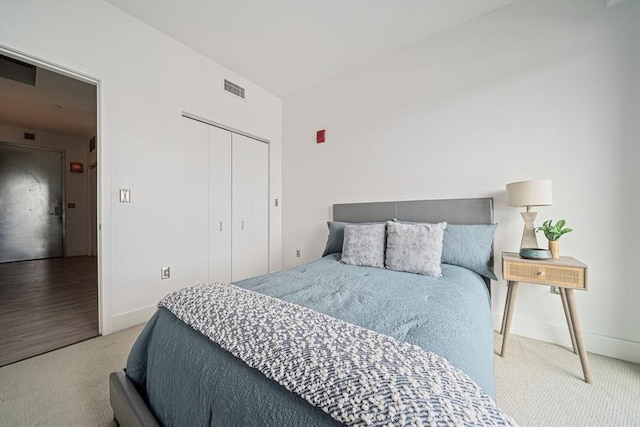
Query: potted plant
(553, 234)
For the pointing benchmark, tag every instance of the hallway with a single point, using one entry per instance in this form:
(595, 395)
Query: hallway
(46, 304)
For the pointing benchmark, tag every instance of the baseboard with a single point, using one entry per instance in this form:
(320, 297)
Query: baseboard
(559, 334)
(126, 320)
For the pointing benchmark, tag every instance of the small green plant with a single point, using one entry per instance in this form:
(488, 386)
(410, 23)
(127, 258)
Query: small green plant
(553, 232)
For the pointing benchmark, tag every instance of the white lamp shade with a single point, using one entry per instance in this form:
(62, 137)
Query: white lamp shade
(530, 193)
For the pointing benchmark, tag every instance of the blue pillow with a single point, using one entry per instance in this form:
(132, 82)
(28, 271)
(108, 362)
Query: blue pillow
(469, 246)
(336, 237)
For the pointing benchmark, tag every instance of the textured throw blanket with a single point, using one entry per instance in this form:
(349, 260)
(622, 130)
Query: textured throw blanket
(357, 376)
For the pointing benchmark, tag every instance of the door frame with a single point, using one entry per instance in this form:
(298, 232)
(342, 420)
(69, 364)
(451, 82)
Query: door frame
(103, 162)
(93, 225)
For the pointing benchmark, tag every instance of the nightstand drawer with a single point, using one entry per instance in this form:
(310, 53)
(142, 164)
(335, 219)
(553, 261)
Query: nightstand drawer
(563, 276)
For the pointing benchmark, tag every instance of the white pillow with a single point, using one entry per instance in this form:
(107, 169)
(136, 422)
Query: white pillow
(415, 248)
(364, 245)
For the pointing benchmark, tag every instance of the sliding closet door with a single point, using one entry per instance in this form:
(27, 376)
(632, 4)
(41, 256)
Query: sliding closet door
(219, 204)
(260, 209)
(237, 191)
(250, 177)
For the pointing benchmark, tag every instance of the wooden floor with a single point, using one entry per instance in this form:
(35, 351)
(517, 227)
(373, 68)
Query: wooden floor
(46, 304)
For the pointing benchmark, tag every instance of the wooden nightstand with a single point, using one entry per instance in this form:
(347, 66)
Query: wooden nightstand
(566, 273)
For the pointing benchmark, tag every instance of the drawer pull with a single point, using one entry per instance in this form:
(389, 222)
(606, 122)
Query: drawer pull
(541, 273)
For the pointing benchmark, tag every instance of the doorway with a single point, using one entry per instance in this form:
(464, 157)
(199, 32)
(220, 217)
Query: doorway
(48, 209)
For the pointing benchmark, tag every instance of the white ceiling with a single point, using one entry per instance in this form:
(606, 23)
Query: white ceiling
(287, 45)
(282, 45)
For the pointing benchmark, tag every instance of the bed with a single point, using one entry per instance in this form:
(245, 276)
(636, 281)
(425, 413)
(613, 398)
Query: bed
(175, 375)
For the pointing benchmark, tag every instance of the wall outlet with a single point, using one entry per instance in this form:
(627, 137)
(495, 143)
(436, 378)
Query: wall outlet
(555, 290)
(298, 253)
(165, 272)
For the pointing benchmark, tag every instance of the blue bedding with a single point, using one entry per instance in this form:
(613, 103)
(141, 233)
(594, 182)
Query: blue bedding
(186, 377)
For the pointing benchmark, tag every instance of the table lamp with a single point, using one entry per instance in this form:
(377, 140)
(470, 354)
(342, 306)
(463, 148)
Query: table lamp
(529, 193)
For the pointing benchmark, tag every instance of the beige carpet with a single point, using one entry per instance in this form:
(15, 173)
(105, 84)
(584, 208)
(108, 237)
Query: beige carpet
(541, 384)
(66, 387)
(538, 384)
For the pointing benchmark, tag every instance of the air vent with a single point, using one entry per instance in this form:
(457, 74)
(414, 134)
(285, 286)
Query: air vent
(17, 70)
(233, 88)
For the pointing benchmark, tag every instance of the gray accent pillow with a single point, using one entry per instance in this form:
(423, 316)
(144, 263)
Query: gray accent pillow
(364, 245)
(336, 236)
(415, 248)
(469, 246)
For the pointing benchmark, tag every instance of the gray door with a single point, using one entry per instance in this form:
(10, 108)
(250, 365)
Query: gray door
(30, 203)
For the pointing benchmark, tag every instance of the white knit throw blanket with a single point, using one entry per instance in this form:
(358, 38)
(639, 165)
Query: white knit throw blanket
(357, 376)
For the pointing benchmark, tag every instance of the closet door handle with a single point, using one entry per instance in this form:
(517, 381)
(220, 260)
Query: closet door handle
(220, 225)
(241, 225)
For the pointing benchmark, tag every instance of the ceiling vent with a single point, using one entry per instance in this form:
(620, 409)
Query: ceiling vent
(17, 70)
(233, 88)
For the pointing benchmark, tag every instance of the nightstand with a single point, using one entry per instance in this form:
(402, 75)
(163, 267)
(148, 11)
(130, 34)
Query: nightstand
(566, 273)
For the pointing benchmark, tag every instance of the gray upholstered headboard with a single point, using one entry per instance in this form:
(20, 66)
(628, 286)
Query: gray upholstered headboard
(453, 211)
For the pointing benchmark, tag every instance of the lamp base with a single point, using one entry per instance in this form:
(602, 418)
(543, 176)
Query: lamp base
(529, 239)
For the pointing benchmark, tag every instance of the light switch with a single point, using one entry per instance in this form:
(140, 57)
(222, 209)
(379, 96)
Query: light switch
(125, 196)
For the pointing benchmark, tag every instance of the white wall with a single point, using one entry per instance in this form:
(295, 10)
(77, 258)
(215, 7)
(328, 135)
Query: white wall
(532, 90)
(146, 81)
(76, 150)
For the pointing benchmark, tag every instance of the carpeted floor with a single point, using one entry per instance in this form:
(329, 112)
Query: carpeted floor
(538, 384)
(542, 384)
(66, 387)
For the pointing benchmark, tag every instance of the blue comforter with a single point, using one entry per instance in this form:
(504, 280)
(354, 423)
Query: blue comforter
(187, 379)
